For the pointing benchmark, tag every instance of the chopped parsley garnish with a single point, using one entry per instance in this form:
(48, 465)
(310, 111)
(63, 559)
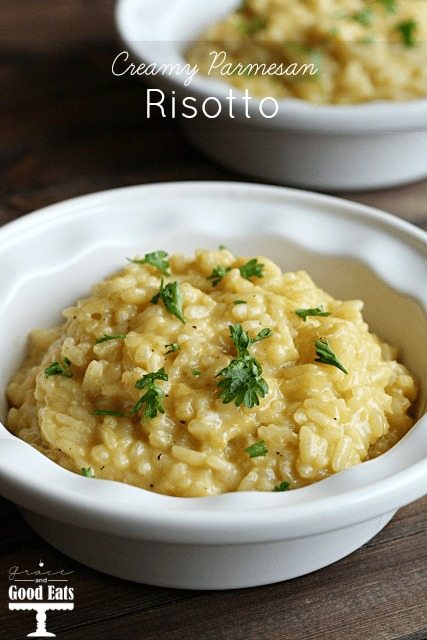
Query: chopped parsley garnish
(242, 379)
(106, 337)
(317, 311)
(88, 472)
(251, 25)
(251, 269)
(58, 369)
(242, 341)
(172, 298)
(407, 31)
(370, 39)
(389, 5)
(364, 17)
(111, 412)
(283, 486)
(327, 356)
(149, 379)
(217, 274)
(316, 58)
(196, 372)
(156, 259)
(152, 399)
(240, 302)
(257, 449)
(173, 346)
(310, 55)
(242, 382)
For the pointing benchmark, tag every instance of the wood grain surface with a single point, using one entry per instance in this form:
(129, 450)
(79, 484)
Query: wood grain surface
(68, 127)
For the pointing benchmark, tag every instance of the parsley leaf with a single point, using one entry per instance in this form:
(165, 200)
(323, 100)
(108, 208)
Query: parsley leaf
(327, 356)
(172, 298)
(242, 378)
(283, 486)
(148, 380)
(264, 333)
(364, 17)
(251, 269)
(152, 399)
(240, 338)
(173, 346)
(257, 449)
(88, 472)
(242, 341)
(407, 31)
(106, 337)
(242, 382)
(389, 5)
(155, 259)
(58, 369)
(370, 39)
(251, 25)
(317, 311)
(240, 302)
(153, 403)
(217, 274)
(196, 372)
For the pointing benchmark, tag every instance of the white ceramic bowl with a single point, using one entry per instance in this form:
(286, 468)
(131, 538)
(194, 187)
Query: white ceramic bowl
(50, 258)
(323, 147)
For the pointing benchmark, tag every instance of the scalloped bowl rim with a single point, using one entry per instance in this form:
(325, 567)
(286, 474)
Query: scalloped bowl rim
(354, 495)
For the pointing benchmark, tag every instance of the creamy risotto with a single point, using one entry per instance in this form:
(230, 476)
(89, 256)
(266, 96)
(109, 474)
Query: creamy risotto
(198, 376)
(362, 50)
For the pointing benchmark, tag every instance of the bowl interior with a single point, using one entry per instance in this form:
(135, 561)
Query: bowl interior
(51, 258)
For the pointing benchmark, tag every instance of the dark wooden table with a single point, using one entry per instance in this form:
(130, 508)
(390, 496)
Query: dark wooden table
(68, 127)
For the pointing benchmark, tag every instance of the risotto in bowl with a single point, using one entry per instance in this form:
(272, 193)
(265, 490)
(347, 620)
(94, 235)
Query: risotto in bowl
(232, 379)
(326, 95)
(192, 404)
(345, 52)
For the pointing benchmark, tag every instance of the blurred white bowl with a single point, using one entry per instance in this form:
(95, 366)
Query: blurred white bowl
(324, 147)
(50, 258)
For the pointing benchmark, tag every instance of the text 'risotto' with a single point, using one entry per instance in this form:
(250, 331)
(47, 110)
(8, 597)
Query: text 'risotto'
(198, 376)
